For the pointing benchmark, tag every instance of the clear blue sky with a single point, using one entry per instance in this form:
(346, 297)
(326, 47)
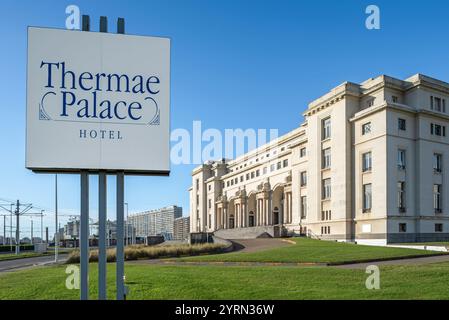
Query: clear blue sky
(235, 64)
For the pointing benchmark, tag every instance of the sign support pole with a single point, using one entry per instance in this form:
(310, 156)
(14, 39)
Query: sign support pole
(102, 214)
(120, 233)
(102, 179)
(84, 239)
(120, 212)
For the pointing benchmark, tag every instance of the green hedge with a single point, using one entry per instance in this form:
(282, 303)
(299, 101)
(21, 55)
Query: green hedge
(23, 247)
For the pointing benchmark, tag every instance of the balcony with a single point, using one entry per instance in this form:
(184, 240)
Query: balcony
(438, 211)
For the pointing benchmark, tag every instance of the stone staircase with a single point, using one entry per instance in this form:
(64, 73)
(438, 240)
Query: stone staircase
(250, 232)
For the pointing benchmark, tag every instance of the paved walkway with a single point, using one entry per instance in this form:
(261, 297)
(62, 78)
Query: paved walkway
(254, 245)
(413, 261)
(24, 263)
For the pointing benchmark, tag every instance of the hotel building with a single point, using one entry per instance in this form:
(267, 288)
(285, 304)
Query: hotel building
(370, 163)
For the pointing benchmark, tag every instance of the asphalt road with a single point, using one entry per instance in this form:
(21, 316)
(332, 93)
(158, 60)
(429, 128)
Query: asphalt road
(12, 265)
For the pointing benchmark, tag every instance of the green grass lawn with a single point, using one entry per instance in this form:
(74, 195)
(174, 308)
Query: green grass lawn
(314, 251)
(235, 282)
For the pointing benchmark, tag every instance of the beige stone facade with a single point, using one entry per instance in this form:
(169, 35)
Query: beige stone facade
(370, 163)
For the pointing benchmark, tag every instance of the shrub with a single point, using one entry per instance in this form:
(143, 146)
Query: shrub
(136, 252)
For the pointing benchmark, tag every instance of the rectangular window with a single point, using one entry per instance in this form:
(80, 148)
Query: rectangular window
(197, 184)
(257, 172)
(326, 188)
(227, 183)
(272, 167)
(394, 99)
(247, 176)
(326, 158)
(437, 104)
(431, 102)
(210, 187)
(401, 124)
(264, 170)
(401, 159)
(401, 196)
(402, 227)
(366, 162)
(303, 207)
(302, 152)
(326, 128)
(437, 162)
(370, 102)
(252, 175)
(323, 215)
(303, 178)
(279, 165)
(366, 128)
(285, 163)
(210, 203)
(438, 227)
(367, 197)
(437, 198)
(241, 178)
(437, 130)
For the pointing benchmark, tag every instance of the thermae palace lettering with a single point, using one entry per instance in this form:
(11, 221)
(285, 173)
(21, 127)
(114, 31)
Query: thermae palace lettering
(59, 76)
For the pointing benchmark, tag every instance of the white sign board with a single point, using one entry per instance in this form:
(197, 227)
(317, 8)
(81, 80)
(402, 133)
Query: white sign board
(97, 101)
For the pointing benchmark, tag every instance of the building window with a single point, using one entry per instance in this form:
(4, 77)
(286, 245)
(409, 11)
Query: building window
(437, 130)
(285, 163)
(272, 167)
(437, 162)
(401, 159)
(370, 102)
(438, 227)
(366, 128)
(326, 128)
(232, 182)
(264, 170)
(197, 200)
(210, 187)
(326, 188)
(252, 175)
(366, 162)
(303, 207)
(247, 176)
(236, 180)
(279, 165)
(241, 178)
(210, 203)
(401, 196)
(367, 197)
(257, 172)
(437, 198)
(197, 184)
(326, 158)
(302, 152)
(402, 227)
(401, 124)
(394, 99)
(227, 183)
(303, 178)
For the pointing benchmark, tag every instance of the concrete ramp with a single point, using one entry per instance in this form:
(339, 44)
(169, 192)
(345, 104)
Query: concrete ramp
(250, 232)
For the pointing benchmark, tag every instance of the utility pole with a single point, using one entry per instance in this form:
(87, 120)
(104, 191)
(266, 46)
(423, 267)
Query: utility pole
(17, 227)
(42, 226)
(10, 230)
(32, 242)
(4, 229)
(56, 219)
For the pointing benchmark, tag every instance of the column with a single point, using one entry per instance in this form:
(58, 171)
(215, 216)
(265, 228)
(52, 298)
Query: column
(225, 217)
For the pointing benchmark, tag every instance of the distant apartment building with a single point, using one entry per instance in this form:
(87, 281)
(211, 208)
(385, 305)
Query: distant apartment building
(181, 228)
(370, 163)
(72, 229)
(155, 222)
